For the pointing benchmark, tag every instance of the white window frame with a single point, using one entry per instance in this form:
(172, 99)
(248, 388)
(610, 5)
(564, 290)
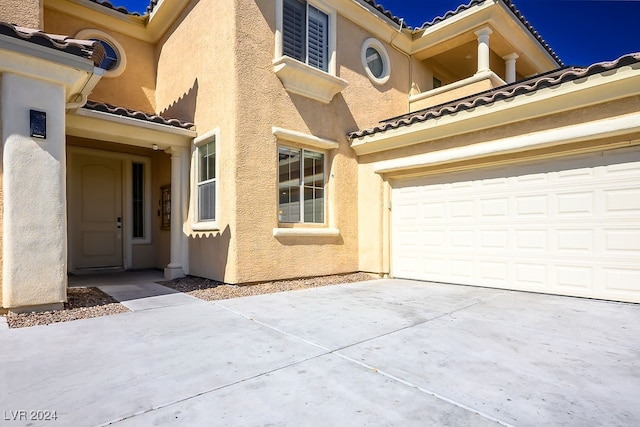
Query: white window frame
(91, 33)
(384, 55)
(299, 140)
(302, 186)
(332, 33)
(207, 224)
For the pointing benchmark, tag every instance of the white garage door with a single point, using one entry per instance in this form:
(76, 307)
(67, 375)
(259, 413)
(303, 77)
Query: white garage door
(567, 226)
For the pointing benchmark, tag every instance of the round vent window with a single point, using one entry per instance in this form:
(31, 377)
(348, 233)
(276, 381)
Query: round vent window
(115, 60)
(375, 60)
(111, 59)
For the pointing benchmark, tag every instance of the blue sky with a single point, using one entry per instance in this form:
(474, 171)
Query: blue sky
(580, 31)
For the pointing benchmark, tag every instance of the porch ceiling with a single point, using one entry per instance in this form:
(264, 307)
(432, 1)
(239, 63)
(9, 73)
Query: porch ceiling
(125, 130)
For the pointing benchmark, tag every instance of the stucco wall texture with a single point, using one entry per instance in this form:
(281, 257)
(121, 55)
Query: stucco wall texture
(24, 13)
(196, 80)
(261, 255)
(135, 87)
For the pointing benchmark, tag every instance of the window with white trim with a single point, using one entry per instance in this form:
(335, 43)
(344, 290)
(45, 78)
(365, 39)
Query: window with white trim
(305, 33)
(206, 181)
(375, 60)
(301, 186)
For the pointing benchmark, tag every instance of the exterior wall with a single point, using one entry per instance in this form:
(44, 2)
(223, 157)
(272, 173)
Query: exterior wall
(24, 13)
(378, 219)
(161, 238)
(262, 103)
(1, 201)
(34, 237)
(205, 92)
(450, 95)
(135, 87)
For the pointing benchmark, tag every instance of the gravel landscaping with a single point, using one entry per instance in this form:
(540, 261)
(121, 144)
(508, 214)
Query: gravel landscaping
(84, 303)
(210, 290)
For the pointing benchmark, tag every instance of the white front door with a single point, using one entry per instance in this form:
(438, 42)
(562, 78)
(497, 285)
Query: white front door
(567, 226)
(95, 211)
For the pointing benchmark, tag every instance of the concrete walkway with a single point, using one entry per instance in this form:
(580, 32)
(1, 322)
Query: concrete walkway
(387, 352)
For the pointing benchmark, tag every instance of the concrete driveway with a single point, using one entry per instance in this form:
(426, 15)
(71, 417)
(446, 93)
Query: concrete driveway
(386, 352)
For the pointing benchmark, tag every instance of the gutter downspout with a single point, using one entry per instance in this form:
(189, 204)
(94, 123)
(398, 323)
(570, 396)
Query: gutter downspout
(79, 99)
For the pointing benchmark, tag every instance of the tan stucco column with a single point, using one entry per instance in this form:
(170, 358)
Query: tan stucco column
(483, 48)
(175, 268)
(510, 67)
(34, 270)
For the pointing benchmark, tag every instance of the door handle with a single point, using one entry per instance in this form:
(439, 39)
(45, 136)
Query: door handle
(119, 223)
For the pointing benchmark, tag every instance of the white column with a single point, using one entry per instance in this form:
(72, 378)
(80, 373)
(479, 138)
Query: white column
(483, 48)
(510, 67)
(174, 270)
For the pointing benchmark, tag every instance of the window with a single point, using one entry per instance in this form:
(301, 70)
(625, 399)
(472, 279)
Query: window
(305, 34)
(111, 58)
(375, 60)
(137, 196)
(206, 182)
(115, 60)
(436, 83)
(300, 186)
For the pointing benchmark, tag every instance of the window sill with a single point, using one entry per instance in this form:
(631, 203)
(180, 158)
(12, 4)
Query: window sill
(306, 232)
(304, 80)
(205, 226)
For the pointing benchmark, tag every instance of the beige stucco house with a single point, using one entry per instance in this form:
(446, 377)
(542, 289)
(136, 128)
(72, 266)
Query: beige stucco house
(253, 140)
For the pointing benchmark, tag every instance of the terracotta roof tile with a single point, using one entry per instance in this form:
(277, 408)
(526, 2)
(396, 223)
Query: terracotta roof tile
(552, 78)
(449, 14)
(84, 48)
(138, 115)
(121, 9)
(384, 11)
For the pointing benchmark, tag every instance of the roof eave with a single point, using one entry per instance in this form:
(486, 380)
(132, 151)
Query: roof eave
(594, 89)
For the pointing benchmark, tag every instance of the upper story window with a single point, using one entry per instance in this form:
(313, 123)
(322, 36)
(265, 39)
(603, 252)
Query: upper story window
(375, 60)
(115, 61)
(305, 33)
(305, 49)
(110, 60)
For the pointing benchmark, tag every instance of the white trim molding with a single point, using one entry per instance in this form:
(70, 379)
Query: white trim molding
(304, 80)
(384, 56)
(609, 127)
(197, 225)
(303, 138)
(306, 232)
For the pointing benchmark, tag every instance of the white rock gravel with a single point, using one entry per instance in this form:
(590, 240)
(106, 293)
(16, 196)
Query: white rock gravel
(84, 303)
(210, 290)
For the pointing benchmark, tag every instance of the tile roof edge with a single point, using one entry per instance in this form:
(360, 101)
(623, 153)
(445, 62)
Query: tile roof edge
(135, 114)
(88, 49)
(532, 30)
(119, 9)
(386, 12)
(449, 14)
(549, 79)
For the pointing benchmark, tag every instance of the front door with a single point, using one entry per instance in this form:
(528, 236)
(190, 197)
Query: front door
(95, 215)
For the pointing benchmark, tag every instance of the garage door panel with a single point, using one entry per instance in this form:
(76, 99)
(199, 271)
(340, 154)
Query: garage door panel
(568, 226)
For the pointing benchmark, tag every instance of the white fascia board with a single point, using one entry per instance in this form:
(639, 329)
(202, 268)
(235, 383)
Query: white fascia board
(595, 89)
(48, 54)
(303, 138)
(609, 127)
(103, 17)
(163, 16)
(125, 130)
(50, 69)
